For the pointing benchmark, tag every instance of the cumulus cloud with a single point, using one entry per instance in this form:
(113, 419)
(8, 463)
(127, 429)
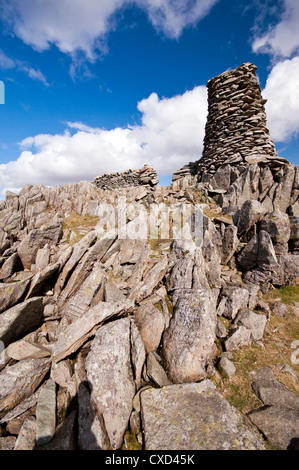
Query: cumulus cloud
(81, 25)
(282, 92)
(170, 135)
(281, 40)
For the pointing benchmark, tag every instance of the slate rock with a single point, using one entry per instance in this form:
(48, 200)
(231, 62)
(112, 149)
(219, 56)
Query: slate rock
(77, 333)
(109, 372)
(21, 319)
(194, 417)
(20, 380)
(241, 337)
(188, 342)
(151, 323)
(252, 321)
(11, 293)
(46, 413)
(272, 392)
(277, 224)
(278, 424)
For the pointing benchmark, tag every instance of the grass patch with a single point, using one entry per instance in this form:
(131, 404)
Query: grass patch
(80, 225)
(279, 334)
(287, 294)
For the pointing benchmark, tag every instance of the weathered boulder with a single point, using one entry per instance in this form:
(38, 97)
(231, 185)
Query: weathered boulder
(250, 213)
(278, 424)
(20, 380)
(36, 239)
(254, 322)
(235, 298)
(194, 417)
(21, 319)
(109, 372)
(277, 224)
(188, 342)
(46, 413)
(272, 392)
(151, 324)
(241, 337)
(12, 292)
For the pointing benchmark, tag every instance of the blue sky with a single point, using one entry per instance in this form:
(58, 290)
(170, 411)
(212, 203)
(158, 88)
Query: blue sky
(100, 86)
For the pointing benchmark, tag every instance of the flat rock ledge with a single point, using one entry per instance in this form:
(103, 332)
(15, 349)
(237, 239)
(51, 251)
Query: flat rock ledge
(194, 417)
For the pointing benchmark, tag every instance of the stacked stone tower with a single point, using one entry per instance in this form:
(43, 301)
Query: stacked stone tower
(239, 160)
(236, 127)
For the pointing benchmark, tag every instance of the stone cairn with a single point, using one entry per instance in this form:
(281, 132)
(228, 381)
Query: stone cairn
(147, 176)
(239, 159)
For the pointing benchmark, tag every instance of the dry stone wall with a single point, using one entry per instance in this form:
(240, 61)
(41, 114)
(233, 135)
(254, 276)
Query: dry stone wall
(147, 176)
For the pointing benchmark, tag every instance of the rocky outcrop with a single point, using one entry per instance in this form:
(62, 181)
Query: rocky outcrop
(147, 176)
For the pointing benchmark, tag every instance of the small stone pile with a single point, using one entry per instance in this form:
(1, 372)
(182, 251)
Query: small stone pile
(147, 176)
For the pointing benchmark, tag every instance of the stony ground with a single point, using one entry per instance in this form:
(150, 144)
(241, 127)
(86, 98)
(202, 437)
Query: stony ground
(121, 343)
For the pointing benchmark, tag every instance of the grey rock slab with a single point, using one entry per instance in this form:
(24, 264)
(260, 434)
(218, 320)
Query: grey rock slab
(181, 274)
(194, 417)
(226, 367)
(21, 319)
(152, 278)
(241, 337)
(46, 413)
(155, 371)
(188, 342)
(250, 213)
(80, 330)
(267, 259)
(79, 249)
(254, 322)
(19, 381)
(36, 239)
(26, 438)
(23, 349)
(109, 372)
(11, 293)
(277, 224)
(113, 293)
(151, 323)
(236, 298)
(278, 424)
(80, 302)
(8, 267)
(272, 392)
(230, 243)
(138, 353)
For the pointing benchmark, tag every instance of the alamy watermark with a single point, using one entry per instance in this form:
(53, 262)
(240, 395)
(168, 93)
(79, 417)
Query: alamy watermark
(179, 221)
(2, 92)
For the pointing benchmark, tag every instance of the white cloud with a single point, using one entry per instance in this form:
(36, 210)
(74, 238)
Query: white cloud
(281, 40)
(81, 25)
(282, 92)
(170, 135)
